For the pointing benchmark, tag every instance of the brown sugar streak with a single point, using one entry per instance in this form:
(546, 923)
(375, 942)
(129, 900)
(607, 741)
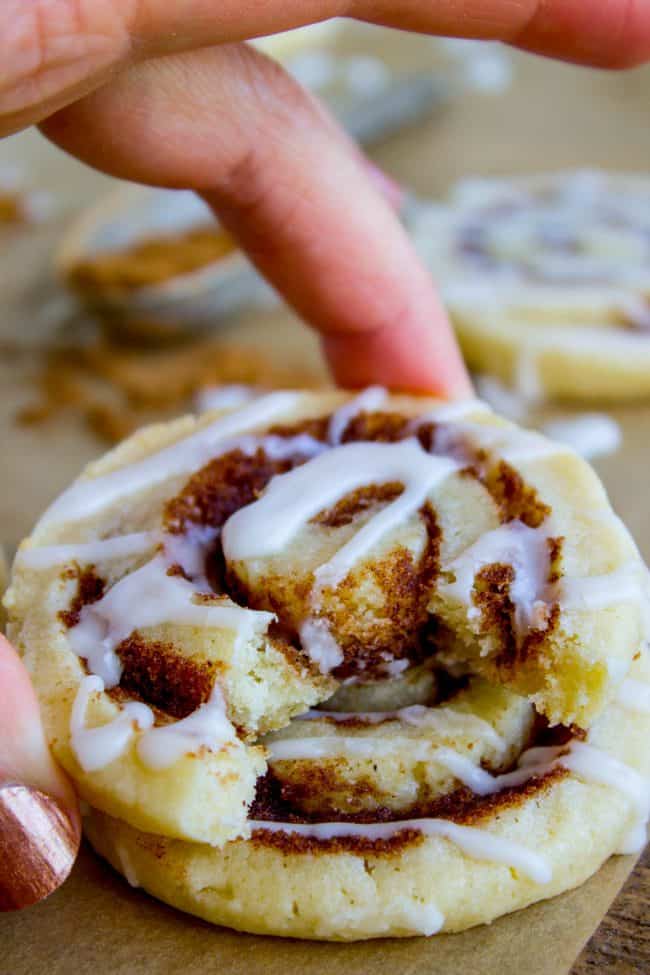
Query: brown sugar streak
(461, 806)
(157, 673)
(90, 589)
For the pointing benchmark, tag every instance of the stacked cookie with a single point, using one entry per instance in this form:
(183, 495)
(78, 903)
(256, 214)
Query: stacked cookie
(343, 667)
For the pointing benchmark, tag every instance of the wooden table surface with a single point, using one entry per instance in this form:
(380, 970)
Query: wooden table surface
(621, 945)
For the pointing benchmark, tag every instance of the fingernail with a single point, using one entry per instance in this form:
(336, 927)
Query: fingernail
(387, 186)
(38, 845)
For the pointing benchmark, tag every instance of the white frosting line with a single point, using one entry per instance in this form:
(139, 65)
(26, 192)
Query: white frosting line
(586, 762)
(419, 716)
(513, 445)
(634, 696)
(370, 399)
(122, 546)
(226, 397)
(426, 472)
(95, 748)
(509, 443)
(594, 765)
(189, 550)
(150, 597)
(515, 544)
(290, 500)
(87, 497)
(207, 727)
(477, 779)
(126, 865)
(473, 776)
(159, 748)
(449, 412)
(626, 584)
(476, 843)
(319, 644)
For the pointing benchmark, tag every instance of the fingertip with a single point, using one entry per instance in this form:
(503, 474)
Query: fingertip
(416, 359)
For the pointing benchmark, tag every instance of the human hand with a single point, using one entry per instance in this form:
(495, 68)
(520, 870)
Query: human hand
(39, 819)
(169, 107)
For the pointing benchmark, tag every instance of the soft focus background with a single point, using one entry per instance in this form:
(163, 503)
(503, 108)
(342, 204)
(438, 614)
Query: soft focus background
(430, 111)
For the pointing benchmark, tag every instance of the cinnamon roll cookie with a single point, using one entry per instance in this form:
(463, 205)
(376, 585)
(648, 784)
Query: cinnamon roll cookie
(547, 279)
(350, 645)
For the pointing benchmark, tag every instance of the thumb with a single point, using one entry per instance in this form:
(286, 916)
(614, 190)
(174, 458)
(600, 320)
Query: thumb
(39, 818)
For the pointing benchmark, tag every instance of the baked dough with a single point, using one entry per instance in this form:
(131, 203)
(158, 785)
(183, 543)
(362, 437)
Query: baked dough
(199, 589)
(348, 887)
(547, 279)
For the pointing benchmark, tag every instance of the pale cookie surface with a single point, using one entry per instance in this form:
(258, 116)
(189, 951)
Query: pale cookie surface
(187, 605)
(548, 280)
(474, 858)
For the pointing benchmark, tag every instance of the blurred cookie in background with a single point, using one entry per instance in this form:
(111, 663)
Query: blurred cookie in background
(547, 279)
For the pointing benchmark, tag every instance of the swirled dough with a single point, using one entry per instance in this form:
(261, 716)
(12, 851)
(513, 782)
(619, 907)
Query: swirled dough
(387, 632)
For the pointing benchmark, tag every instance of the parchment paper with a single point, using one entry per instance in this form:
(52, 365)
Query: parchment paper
(554, 116)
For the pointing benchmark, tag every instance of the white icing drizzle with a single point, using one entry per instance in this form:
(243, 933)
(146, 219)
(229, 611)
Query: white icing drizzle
(159, 748)
(591, 434)
(418, 716)
(189, 550)
(150, 597)
(207, 727)
(95, 748)
(449, 413)
(594, 765)
(265, 527)
(370, 399)
(471, 775)
(509, 443)
(126, 865)
(515, 544)
(279, 448)
(476, 843)
(86, 553)
(585, 761)
(89, 496)
(226, 397)
(477, 779)
(633, 695)
(625, 584)
(319, 644)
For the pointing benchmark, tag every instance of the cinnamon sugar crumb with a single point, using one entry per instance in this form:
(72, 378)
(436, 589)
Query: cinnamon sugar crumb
(114, 387)
(90, 589)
